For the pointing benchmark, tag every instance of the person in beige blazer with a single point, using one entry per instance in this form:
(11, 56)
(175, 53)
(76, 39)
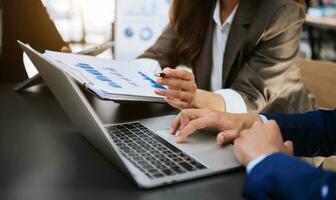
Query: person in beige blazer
(241, 54)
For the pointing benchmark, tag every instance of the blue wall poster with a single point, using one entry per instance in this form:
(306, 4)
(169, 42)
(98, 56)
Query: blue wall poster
(138, 24)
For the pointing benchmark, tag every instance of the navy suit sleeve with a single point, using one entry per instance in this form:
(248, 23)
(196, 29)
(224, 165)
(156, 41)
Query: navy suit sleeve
(313, 133)
(280, 176)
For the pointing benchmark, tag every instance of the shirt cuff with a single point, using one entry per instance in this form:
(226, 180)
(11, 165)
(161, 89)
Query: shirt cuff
(233, 100)
(255, 162)
(263, 118)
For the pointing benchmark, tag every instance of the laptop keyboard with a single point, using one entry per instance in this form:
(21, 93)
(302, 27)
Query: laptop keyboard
(150, 153)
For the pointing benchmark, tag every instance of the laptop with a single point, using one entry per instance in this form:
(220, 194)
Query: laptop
(143, 149)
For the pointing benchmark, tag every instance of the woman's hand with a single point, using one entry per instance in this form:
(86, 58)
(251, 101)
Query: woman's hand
(228, 125)
(65, 49)
(182, 92)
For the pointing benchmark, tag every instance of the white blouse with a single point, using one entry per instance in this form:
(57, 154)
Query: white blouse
(234, 101)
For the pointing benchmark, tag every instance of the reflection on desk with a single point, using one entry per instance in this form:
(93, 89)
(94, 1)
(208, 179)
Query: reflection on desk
(43, 156)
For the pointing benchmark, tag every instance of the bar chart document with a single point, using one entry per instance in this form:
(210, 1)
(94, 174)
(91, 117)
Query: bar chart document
(110, 79)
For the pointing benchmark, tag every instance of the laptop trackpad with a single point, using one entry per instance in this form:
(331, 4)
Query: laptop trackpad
(197, 142)
(203, 147)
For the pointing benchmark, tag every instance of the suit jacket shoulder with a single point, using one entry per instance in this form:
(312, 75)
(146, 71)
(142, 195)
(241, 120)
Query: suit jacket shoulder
(313, 133)
(282, 177)
(286, 14)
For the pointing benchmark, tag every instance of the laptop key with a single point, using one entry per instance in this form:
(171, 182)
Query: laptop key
(127, 151)
(155, 163)
(157, 145)
(150, 149)
(171, 164)
(123, 137)
(154, 152)
(161, 167)
(153, 171)
(166, 144)
(129, 126)
(167, 172)
(158, 175)
(172, 156)
(143, 163)
(164, 160)
(159, 156)
(149, 139)
(186, 166)
(137, 124)
(148, 175)
(189, 159)
(148, 167)
(151, 142)
(197, 165)
(133, 154)
(123, 147)
(150, 159)
(182, 155)
(167, 152)
(178, 170)
(140, 150)
(128, 141)
(145, 155)
(177, 160)
(138, 158)
(145, 146)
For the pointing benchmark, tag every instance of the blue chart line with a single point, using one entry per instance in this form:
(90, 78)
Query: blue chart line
(97, 74)
(153, 83)
(120, 76)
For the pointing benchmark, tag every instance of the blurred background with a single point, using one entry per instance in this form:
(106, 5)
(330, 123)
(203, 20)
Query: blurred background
(132, 23)
(89, 22)
(319, 35)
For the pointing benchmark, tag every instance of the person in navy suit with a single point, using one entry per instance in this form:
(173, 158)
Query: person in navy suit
(265, 145)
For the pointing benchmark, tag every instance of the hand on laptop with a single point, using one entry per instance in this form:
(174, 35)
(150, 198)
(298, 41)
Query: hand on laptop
(229, 125)
(261, 139)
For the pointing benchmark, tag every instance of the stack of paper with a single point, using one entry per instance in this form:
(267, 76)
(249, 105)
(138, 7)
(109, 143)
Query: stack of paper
(109, 79)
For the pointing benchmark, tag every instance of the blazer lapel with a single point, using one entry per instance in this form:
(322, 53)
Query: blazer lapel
(203, 64)
(238, 35)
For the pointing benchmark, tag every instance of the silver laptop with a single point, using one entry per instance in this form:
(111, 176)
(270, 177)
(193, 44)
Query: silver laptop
(144, 149)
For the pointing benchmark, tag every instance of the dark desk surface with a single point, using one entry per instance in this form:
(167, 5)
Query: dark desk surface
(42, 156)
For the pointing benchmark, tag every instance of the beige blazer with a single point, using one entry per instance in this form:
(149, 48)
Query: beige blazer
(259, 58)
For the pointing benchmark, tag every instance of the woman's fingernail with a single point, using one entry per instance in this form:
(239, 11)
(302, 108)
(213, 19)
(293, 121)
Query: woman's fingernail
(220, 139)
(171, 131)
(177, 133)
